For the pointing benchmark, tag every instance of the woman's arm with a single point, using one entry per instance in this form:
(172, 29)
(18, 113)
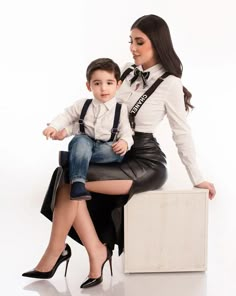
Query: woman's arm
(209, 186)
(181, 133)
(124, 130)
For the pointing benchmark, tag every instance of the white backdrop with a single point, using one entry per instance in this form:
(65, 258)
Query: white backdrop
(45, 48)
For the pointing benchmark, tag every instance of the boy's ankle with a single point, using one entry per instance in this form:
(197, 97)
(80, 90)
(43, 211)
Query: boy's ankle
(79, 192)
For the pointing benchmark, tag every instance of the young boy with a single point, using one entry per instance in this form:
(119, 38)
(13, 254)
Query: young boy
(103, 132)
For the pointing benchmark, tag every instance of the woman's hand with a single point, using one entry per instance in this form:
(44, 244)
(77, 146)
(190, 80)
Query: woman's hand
(209, 186)
(120, 147)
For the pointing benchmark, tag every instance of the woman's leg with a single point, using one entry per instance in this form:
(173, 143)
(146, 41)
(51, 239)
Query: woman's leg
(111, 187)
(84, 226)
(64, 215)
(95, 248)
(67, 213)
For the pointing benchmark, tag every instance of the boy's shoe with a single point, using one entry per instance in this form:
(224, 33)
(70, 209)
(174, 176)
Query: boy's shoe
(78, 192)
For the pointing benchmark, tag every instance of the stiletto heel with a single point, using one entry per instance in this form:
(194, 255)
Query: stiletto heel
(110, 262)
(65, 256)
(91, 282)
(67, 262)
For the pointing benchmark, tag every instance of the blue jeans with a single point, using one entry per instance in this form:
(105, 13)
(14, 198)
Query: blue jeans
(84, 150)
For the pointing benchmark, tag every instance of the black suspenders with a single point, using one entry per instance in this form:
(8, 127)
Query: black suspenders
(116, 121)
(127, 71)
(134, 110)
(83, 113)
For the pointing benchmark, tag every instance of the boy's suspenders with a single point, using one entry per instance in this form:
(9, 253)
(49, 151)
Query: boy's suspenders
(134, 110)
(116, 121)
(82, 115)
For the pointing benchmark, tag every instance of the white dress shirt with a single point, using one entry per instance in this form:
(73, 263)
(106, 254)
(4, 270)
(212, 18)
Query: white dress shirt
(167, 100)
(98, 120)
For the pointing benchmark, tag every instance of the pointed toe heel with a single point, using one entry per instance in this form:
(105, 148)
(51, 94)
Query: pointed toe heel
(65, 256)
(91, 282)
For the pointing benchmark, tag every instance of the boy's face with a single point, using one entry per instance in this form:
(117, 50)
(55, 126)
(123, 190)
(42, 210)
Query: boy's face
(103, 85)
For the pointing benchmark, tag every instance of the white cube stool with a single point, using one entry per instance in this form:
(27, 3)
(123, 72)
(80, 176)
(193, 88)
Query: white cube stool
(166, 231)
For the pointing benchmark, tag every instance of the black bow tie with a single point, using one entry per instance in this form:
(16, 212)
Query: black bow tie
(143, 75)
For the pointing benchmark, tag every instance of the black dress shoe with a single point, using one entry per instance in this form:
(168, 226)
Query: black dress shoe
(65, 256)
(78, 192)
(91, 282)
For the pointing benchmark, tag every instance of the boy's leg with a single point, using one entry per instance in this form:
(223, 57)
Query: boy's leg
(103, 153)
(80, 148)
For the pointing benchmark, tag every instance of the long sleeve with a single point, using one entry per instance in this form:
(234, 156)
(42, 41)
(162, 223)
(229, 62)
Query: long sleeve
(125, 131)
(181, 132)
(68, 117)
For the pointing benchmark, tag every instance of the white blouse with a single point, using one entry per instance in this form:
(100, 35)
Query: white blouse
(167, 99)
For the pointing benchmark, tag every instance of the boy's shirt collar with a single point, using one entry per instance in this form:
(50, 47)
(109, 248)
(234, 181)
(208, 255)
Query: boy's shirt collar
(109, 104)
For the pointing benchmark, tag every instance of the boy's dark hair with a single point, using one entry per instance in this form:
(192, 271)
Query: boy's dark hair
(104, 64)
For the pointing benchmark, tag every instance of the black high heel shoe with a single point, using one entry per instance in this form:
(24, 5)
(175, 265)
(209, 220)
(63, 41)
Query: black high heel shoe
(65, 256)
(91, 282)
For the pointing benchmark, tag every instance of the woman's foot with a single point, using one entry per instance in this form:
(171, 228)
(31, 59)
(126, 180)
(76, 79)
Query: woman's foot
(42, 270)
(96, 268)
(49, 259)
(96, 261)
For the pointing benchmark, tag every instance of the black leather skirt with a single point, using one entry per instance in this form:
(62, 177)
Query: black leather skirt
(145, 164)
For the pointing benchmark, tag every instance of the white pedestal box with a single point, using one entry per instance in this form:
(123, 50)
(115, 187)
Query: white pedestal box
(166, 231)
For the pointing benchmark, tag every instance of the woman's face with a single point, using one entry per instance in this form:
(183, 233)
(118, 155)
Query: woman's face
(141, 49)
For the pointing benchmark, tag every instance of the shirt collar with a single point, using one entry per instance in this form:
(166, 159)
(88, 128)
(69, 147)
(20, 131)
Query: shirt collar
(158, 68)
(109, 104)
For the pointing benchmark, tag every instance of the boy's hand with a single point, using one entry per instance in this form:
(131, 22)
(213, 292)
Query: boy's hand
(120, 147)
(61, 135)
(49, 132)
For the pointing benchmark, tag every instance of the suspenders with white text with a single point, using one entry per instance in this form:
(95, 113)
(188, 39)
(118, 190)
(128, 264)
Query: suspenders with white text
(134, 110)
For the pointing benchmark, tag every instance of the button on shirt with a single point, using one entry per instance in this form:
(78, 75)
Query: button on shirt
(167, 100)
(98, 120)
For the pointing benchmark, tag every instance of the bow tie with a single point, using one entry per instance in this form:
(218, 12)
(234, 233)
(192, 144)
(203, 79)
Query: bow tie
(143, 75)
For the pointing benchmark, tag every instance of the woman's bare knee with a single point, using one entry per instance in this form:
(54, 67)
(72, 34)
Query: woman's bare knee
(113, 187)
(63, 194)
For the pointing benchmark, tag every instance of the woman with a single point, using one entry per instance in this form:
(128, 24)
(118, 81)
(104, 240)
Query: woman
(98, 223)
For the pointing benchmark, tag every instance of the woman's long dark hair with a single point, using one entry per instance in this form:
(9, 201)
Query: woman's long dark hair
(158, 32)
